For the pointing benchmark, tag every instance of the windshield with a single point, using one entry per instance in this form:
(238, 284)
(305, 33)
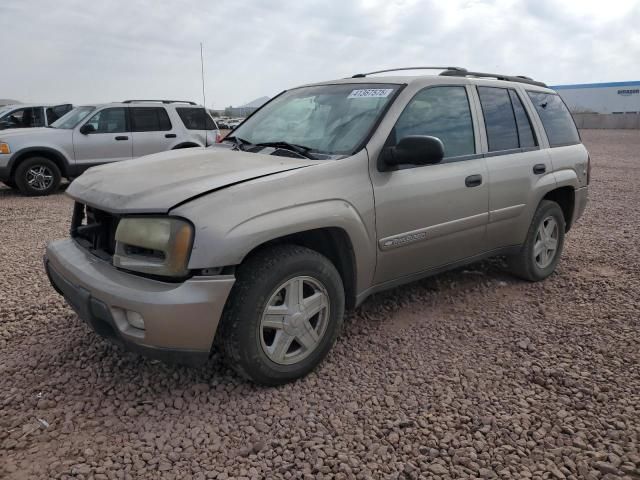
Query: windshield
(73, 118)
(328, 119)
(4, 110)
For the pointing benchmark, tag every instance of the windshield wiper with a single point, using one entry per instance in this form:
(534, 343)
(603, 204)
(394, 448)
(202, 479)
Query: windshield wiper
(239, 142)
(299, 149)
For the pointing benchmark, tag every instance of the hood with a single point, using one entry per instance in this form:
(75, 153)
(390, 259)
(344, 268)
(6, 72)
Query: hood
(156, 183)
(36, 132)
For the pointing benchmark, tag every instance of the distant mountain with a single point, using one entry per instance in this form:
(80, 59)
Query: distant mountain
(258, 102)
(6, 101)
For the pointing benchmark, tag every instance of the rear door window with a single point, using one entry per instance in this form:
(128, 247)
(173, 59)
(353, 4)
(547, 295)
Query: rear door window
(556, 119)
(499, 119)
(196, 118)
(525, 130)
(38, 117)
(149, 119)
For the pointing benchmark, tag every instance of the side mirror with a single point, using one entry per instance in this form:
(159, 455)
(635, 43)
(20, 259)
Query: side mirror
(87, 128)
(414, 150)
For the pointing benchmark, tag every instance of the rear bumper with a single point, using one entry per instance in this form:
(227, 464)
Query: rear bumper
(180, 319)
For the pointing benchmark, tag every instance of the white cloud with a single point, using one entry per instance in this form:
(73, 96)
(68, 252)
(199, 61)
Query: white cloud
(74, 51)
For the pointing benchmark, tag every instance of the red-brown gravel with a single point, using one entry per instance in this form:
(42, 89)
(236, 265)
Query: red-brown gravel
(471, 374)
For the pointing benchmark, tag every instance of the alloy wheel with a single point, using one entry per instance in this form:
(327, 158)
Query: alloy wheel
(545, 245)
(39, 177)
(294, 320)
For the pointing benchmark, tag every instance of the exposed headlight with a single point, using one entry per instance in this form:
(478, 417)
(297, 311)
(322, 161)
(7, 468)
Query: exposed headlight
(157, 246)
(4, 148)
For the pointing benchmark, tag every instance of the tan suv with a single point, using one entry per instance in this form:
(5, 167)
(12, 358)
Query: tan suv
(328, 193)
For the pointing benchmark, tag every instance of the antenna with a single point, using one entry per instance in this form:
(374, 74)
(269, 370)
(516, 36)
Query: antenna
(204, 100)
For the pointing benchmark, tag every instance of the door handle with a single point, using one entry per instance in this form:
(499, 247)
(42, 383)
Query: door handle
(473, 180)
(170, 135)
(539, 168)
(122, 137)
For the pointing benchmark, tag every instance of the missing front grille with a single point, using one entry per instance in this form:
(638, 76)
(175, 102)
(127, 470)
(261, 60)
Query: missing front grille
(94, 229)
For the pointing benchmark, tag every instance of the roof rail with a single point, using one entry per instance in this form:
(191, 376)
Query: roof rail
(498, 76)
(161, 101)
(454, 69)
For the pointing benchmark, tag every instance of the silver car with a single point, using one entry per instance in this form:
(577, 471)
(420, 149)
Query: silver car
(35, 160)
(329, 193)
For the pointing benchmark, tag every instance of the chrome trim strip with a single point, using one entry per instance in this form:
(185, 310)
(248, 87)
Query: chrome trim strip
(434, 231)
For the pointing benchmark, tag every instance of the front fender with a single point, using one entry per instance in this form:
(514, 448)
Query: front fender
(236, 243)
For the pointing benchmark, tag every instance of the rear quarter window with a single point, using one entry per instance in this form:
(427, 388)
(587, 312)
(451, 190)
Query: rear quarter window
(556, 119)
(195, 118)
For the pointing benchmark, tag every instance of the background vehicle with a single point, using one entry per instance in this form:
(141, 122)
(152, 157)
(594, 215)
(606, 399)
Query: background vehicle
(233, 123)
(329, 193)
(31, 116)
(35, 161)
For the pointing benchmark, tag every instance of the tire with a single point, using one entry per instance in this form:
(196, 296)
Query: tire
(258, 351)
(37, 176)
(535, 262)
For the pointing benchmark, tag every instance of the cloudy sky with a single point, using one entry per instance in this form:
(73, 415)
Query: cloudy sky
(83, 52)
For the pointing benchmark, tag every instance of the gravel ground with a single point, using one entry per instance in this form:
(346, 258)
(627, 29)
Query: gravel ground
(468, 374)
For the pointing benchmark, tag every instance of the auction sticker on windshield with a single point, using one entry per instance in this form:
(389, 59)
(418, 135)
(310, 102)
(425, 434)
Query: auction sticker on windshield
(370, 93)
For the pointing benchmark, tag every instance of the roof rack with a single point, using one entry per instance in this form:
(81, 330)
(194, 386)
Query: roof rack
(461, 72)
(509, 78)
(161, 101)
(456, 69)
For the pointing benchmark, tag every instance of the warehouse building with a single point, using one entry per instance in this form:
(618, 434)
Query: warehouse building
(602, 98)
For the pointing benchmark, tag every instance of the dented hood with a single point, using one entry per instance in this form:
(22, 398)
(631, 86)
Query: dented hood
(156, 183)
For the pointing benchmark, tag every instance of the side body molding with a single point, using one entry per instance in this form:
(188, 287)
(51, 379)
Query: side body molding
(434, 231)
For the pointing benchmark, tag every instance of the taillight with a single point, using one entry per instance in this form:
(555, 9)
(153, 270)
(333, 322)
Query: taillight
(588, 169)
(219, 137)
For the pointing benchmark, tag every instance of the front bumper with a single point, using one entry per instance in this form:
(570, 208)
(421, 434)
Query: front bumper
(4, 166)
(180, 319)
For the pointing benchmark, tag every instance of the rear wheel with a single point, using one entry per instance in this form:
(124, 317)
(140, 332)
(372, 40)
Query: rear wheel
(37, 176)
(541, 251)
(284, 314)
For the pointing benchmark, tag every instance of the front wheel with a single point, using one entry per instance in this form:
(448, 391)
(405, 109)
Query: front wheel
(37, 176)
(541, 251)
(284, 314)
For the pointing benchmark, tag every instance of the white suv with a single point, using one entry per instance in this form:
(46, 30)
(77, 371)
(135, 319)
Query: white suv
(34, 160)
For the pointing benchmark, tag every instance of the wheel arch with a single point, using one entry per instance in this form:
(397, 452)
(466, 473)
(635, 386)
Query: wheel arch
(332, 242)
(55, 156)
(565, 197)
(186, 145)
